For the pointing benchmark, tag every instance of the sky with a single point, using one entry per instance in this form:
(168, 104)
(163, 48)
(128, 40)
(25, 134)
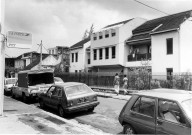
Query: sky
(63, 22)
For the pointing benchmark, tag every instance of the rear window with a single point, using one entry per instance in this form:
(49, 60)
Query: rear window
(77, 90)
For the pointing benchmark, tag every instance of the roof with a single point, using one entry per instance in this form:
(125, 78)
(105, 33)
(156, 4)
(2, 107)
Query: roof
(170, 94)
(166, 23)
(115, 24)
(80, 44)
(36, 62)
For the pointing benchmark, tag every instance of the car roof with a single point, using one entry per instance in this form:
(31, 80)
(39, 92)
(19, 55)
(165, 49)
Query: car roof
(68, 84)
(170, 94)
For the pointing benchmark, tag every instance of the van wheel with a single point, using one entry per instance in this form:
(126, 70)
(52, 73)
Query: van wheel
(61, 112)
(128, 130)
(24, 98)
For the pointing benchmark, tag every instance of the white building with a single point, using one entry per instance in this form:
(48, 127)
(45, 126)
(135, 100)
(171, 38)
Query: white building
(165, 44)
(79, 56)
(108, 49)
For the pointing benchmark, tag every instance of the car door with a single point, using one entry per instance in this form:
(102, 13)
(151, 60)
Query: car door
(47, 97)
(142, 115)
(171, 119)
(55, 97)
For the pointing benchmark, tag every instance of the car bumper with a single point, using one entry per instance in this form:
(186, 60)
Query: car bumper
(81, 107)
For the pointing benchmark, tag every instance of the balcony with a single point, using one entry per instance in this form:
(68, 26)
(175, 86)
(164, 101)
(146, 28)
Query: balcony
(139, 57)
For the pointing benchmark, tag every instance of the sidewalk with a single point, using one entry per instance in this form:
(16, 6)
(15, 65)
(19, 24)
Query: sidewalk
(21, 118)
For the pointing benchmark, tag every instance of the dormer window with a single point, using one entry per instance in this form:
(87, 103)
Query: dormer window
(94, 36)
(113, 32)
(100, 35)
(106, 34)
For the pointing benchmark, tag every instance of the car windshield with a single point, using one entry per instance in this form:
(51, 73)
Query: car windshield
(187, 107)
(77, 90)
(11, 81)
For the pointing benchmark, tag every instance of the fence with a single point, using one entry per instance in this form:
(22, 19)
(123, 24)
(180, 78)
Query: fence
(135, 81)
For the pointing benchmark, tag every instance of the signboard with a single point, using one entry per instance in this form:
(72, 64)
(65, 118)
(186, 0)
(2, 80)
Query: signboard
(19, 40)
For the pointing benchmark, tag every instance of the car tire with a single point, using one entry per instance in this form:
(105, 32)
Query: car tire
(127, 129)
(42, 105)
(91, 109)
(61, 111)
(12, 94)
(24, 98)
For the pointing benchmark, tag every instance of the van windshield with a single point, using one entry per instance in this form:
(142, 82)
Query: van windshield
(77, 90)
(40, 78)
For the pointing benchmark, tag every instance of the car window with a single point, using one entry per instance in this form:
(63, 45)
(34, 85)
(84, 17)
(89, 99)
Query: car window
(187, 107)
(11, 81)
(145, 106)
(51, 90)
(56, 91)
(77, 90)
(170, 111)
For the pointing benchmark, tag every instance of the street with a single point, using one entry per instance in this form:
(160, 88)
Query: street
(104, 117)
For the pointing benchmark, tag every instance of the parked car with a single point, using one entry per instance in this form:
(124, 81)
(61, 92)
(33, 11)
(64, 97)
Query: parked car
(69, 97)
(159, 111)
(8, 84)
(58, 80)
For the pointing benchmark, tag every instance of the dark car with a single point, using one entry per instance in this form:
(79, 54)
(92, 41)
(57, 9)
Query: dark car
(69, 97)
(159, 111)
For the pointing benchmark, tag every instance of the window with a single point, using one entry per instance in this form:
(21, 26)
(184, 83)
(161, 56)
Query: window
(170, 111)
(144, 106)
(170, 46)
(94, 54)
(88, 61)
(72, 57)
(113, 52)
(113, 33)
(169, 73)
(100, 53)
(94, 36)
(52, 51)
(100, 35)
(107, 53)
(57, 92)
(106, 34)
(76, 57)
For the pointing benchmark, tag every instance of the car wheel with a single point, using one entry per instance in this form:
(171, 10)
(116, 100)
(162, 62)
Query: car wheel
(127, 129)
(91, 109)
(61, 112)
(12, 94)
(24, 98)
(42, 105)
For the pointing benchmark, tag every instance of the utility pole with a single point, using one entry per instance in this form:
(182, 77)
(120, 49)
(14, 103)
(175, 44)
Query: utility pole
(2, 55)
(40, 64)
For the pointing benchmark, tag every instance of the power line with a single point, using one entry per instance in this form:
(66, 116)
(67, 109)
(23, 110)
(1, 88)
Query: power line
(151, 7)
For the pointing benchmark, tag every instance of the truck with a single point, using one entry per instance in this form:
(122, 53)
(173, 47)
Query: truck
(31, 83)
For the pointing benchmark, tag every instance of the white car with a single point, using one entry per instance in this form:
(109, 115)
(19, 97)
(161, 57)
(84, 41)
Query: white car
(8, 84)
(58, 80)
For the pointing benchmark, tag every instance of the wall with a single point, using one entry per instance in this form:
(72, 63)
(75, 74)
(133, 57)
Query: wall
(186, 46)
(103, 43)
(82, 59)
(125, 33)
(160, 59)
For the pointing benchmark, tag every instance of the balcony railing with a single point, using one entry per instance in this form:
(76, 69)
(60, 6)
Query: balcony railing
(139, 57)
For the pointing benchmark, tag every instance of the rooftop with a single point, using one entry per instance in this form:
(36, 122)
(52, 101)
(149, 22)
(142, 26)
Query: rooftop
(80, 44)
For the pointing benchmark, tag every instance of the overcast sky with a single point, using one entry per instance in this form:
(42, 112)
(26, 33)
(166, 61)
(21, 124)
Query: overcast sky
(63, 22)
